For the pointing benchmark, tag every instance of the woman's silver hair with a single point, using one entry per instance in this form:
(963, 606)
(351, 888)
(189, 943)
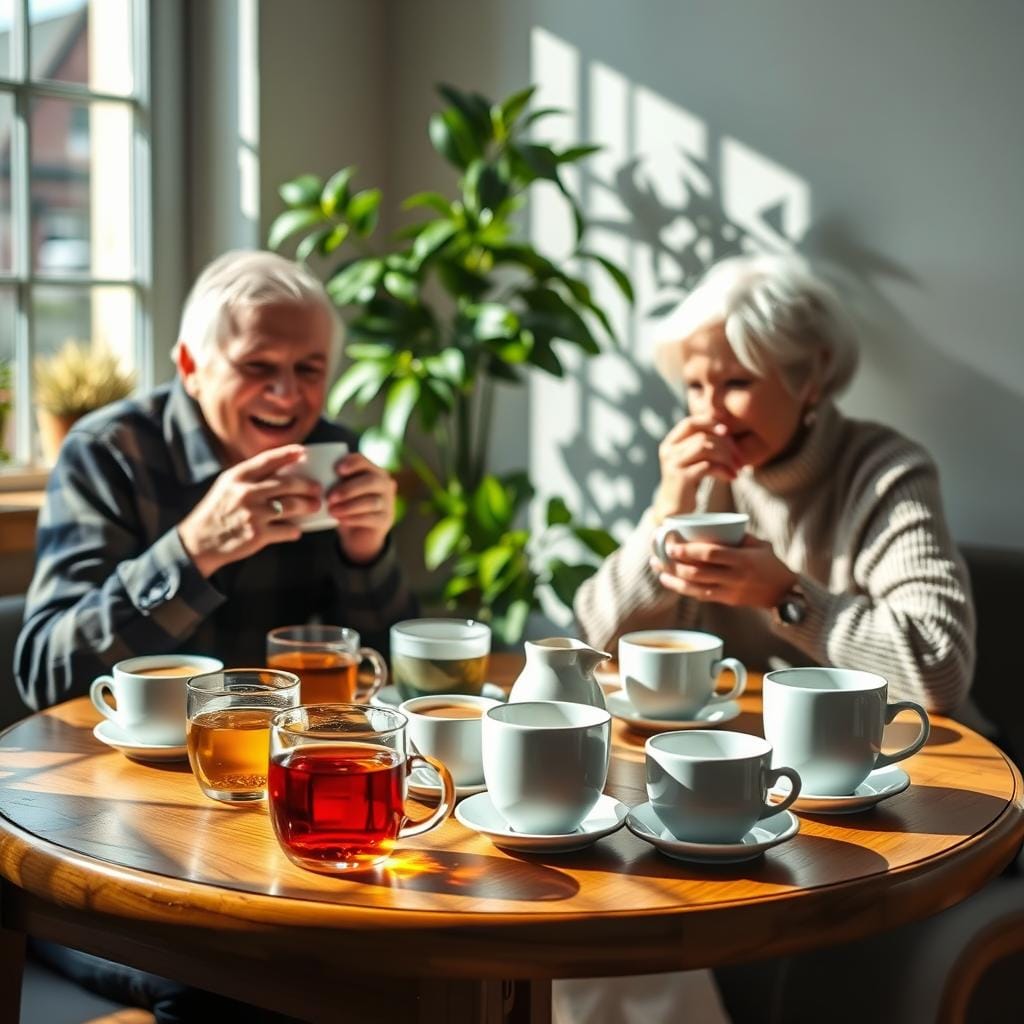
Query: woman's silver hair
(239, 280)
(777, 312)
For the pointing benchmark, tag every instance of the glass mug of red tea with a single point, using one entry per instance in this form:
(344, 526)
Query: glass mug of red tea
(337, 785)
(327, 660)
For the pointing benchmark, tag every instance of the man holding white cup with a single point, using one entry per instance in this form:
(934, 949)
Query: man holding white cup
(171, 519)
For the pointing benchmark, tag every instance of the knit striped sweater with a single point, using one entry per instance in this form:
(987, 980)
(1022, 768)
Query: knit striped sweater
(856, 512)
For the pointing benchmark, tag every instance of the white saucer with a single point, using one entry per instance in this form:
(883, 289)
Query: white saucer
(711, 715)
(422, 783)
(388, 695)
(478, 813)
(107, 732)
(879, 785)
(643, 822)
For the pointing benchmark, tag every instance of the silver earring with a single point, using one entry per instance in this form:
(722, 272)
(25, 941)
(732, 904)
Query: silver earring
(811, 416)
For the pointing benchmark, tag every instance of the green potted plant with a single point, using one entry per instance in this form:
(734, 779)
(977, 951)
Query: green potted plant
(456, 304)
(76, 379)
(6, 385)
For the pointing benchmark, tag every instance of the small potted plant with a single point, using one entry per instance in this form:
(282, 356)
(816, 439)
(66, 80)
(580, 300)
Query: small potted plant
(76, 379)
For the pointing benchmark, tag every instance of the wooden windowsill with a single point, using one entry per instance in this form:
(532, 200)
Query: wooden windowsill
(25, 479)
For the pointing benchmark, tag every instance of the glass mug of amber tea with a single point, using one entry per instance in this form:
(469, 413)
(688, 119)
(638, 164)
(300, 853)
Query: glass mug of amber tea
(337, 785)
(326, 659)
(228, 729)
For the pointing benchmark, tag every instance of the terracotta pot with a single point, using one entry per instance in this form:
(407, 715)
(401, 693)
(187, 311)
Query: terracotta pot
(53, 428)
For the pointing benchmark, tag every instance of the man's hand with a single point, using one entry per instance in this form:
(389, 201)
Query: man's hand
(694, 448)
(247, 508)
(746, 576)
(363, 502)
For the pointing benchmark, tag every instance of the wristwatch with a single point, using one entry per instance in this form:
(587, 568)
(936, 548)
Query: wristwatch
(792, 609)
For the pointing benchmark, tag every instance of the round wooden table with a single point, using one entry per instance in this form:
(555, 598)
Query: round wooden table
(130, 861)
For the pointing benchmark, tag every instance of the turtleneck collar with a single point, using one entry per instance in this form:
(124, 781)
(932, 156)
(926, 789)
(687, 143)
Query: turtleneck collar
(814, 457)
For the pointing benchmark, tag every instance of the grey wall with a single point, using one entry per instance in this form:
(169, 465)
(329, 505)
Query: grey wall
(888, 136)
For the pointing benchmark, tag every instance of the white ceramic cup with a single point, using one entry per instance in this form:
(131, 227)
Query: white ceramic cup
(545, 763)
(149, 708)
(827, 723)
(710, 786)
(713, 527)
(676, 678)
(452, 739)
(319, 465)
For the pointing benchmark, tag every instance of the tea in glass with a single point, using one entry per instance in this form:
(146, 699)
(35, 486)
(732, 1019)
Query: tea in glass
(326, 659)
(434, 656)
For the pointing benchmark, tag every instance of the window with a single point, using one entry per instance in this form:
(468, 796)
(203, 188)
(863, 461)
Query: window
(74, 193)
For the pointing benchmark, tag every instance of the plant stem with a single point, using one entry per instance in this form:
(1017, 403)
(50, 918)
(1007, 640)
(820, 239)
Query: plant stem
(485, 414)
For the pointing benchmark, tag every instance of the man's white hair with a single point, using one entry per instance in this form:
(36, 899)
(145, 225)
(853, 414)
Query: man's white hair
(242, 279)
(777, 312)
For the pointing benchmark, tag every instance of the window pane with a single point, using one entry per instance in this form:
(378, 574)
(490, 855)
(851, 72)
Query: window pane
(81, 187)
(6, 225)
(87, 42)
(7, 370)
(6, 33)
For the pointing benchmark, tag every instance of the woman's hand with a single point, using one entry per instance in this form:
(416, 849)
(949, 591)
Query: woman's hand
(694, 448)
(363, 502)
(247, 508)
(746, 576)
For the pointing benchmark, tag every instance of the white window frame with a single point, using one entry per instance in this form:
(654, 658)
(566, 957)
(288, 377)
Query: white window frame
(22, 276)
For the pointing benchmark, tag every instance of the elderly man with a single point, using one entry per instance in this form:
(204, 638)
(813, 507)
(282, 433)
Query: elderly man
(169, 527)
(168, 524)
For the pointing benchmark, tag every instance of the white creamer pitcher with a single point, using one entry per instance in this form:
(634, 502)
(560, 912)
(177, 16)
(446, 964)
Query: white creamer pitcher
(560, 668)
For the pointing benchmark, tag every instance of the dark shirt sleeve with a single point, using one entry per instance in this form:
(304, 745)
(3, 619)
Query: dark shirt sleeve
(101, 590)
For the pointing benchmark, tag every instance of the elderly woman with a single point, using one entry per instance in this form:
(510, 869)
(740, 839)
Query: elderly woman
(848, 559)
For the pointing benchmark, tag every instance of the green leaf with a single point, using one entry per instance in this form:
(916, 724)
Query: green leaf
(459, 281)
(301, 191)
(614, 272)
(543, 356)
(334, 196)
(355, 379)
(400, 403)
(432, 239)
(491, 506)
(474, 110)
(566, 580)
(558, 512)
(335, 238)
(512, 107)
(380, 449)
(312, 242)
(442, 540)
(363, 211)
(540, 113)
(492, 562)
(541, 160)
(401, 286)
(291, 221)
(434, 200)
(601, 542)
(369, 350)
(456, 587)
(499, 370)
(511, 624)
(448, 365)
(346, 285)
(452, 136)
(520, 490)
(573, 153)
(493, 320)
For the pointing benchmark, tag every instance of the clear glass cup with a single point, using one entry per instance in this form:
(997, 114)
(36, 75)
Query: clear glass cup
(228, 729)
(337, 785)
(327, 660)
(439, 656)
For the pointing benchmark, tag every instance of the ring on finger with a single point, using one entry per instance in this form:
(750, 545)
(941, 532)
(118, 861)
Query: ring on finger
(277, 507)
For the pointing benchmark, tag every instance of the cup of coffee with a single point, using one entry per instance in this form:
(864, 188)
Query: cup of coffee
(229, 715)
(439, 656)
(148, 695)
(448, 728)
(708, 786)
(545, 763)
(827, 723)
(712, 527)
(327, 660)
(671, 673)
(319, 465)
(337, 785)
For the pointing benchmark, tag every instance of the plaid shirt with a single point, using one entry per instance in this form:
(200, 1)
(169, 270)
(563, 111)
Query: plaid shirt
(112, 579)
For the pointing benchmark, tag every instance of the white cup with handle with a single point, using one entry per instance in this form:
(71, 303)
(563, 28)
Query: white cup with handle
(149, 695)
(319, 464)
(711, 786)
(827, 723)
(713, 527)
(671, 673)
